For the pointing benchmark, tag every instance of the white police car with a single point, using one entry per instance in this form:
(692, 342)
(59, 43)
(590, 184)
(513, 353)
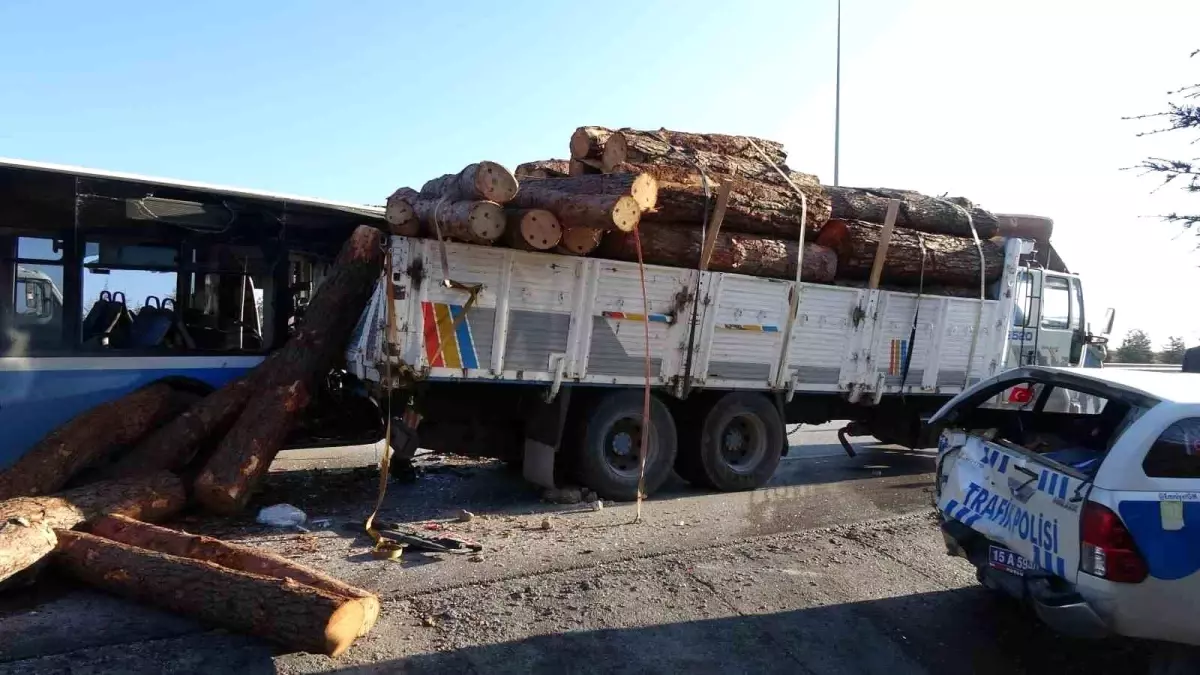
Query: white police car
(1078, 490)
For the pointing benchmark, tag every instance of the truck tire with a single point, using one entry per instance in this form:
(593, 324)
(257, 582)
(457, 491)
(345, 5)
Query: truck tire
(739, 444)
(607, 454)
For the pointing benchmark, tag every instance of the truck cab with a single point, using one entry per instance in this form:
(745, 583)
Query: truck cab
(1050, 325)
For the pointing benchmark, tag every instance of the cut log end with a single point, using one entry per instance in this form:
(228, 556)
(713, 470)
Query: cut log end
(537, 229)
(626, 213)
(486, 221)
(645, 190)
(579, 240)
(495, 182)
(616, 149)
(343, 627)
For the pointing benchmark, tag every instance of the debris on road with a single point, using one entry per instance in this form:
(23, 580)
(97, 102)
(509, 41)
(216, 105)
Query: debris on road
(281, 515)
(546, 524)
(465, 516)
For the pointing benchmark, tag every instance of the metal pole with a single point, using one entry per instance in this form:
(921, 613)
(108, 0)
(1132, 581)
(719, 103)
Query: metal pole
(837, 98)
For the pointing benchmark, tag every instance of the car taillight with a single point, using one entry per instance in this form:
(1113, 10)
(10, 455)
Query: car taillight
(1108, 550)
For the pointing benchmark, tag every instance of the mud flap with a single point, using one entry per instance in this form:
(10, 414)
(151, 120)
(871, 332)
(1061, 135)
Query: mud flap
(544, 424)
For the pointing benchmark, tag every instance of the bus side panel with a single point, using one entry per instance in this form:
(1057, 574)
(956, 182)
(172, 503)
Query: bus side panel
(39, 394)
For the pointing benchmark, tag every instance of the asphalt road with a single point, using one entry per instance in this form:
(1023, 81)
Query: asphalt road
(834, 567)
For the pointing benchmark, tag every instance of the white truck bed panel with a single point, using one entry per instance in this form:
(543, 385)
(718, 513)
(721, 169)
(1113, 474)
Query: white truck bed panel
(541, 317)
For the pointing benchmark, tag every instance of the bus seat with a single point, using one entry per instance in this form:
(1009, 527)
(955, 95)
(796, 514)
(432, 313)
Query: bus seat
(108, 322)
(152, 324)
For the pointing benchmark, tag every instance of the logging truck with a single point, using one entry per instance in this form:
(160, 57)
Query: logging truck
(543, 359)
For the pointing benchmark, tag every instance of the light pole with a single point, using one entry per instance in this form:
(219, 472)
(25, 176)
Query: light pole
(837, 97)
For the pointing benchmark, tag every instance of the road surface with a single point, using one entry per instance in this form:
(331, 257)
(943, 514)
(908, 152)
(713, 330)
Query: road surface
(836, 567)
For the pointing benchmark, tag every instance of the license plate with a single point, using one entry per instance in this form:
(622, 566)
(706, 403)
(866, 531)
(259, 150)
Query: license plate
(1007, 561)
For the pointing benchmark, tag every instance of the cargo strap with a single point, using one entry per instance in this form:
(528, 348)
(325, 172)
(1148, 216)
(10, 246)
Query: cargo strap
(385, 547)
(912, 334)
(472, 290)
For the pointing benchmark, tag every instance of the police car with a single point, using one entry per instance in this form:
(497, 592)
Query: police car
(1078, 491)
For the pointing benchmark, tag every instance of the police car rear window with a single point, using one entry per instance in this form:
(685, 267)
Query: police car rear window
(1176, 453)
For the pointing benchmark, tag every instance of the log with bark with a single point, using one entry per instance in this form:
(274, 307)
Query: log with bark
(579, 241)
(281, 610)
(679, 245)
(483, 181)
(533, 229)
(473, 222)
(543, 168)
(584, 167)
(89, 438)
(917, 211)
(175, 444)
(285, 381)
(27, 524)
(950, 261)
(675, 147)
(755, 207)
(587, 143)
(1036, 228)
(640, 185)
(233, 556)
(609, 211)
(400, 215)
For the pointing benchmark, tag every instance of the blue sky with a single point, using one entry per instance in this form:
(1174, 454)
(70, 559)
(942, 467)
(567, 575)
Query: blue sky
(1015, 103)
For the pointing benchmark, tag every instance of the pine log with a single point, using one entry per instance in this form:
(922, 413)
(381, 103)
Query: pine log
(234, 556)
(587, 143)
(951, 261)
(917, 211)
(399, 213)
(612, 211)
(89, 438)
(283, 611)
(584, 167)
(470, 222)
(755, 207)
(172, 446)
(1034, 228)
(679, 245)
(27, 524)
(579, 241)
(287, 378)
(533, 229)
(673, 147)
(543, 168)
(641, 186)
(483, 181)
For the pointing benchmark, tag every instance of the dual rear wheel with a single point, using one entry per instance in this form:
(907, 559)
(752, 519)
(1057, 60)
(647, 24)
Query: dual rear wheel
(735, 443)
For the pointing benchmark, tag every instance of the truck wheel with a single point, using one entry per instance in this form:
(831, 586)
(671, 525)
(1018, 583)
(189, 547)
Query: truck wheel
(609, 452)
(740, 444)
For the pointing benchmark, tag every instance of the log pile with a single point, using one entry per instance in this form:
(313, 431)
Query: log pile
(226, 441)
(662, 184)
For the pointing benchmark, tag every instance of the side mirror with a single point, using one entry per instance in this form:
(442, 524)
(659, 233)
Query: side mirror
(1097, 339)
(1110, 315)
(33, 296)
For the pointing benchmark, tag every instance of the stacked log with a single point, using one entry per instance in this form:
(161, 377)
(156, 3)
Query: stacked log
(917, 211)
(948, 260)
(543, 168)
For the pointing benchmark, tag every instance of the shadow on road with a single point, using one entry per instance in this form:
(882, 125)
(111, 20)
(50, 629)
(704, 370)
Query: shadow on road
(951, 632)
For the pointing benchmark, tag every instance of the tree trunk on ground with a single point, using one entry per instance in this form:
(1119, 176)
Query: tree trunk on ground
(543, 168)
(754, 207)
(172, 446)
(89, 438)
(27, 524)
(584, 167)
(587, 143)
(950, 261)
(400, 215)
(579, 241)
(484, 181)
(673, 147)
(533, 229)
(234, 556)
(287, 378)
(641, 186)
(281, 610)
(917, 211)
(679, 245)
(615, 211)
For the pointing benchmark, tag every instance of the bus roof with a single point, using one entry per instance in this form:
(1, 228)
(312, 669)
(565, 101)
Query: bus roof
(346, 207)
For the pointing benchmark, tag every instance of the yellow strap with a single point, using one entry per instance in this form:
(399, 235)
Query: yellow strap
(385, 547)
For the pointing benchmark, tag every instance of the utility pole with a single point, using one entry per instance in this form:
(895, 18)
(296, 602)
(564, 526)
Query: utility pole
(837, 98)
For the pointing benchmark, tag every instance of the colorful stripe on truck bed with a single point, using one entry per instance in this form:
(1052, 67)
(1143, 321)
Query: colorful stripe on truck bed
(448, 345)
